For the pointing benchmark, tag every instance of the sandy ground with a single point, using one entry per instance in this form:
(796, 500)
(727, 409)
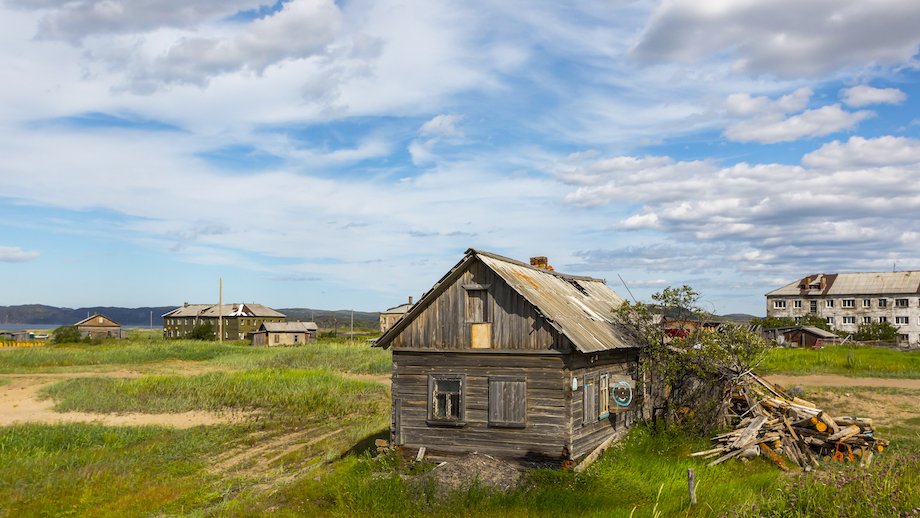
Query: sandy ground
(19, 403)
(830, 380)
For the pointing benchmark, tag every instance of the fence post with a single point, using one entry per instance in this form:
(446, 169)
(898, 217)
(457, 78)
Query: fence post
(691, 485)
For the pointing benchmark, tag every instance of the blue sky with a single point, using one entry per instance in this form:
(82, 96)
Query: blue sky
(345, 154)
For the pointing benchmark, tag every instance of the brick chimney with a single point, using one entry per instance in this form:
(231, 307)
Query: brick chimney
(540, 262)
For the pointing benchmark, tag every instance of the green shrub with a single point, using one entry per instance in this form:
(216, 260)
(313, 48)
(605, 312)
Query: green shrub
(65, 335)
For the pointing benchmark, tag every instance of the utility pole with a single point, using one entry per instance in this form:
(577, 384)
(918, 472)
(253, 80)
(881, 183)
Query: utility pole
(220, 312)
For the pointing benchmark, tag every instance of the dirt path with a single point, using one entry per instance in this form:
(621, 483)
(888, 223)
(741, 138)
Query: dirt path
(831, 380)
(19, 403)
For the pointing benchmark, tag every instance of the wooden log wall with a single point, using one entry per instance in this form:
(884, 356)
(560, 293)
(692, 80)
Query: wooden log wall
(618, 363)
(544, 434)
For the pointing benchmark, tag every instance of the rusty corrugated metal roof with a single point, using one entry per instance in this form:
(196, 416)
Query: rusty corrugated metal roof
(227, 310)
(581, 308)
(859, 283)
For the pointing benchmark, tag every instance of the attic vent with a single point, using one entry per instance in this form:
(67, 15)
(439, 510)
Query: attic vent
(578, 287)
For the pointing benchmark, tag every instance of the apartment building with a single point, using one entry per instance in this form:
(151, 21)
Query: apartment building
(847, 300)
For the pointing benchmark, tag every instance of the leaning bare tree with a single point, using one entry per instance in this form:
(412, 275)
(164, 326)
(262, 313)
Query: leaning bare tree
(690, 364)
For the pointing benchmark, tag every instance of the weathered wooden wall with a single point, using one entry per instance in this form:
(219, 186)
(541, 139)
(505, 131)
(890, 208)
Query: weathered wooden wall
(618, 363)
(444, 324)
(546, 429)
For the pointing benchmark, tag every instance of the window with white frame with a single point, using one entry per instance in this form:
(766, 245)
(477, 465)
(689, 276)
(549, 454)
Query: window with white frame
(882, 319)
(867, 320)
(849, 320)
(830, 320)
(603, 397)
(446, 398)
(797, 304)
(883, 303)
(900, 303)
(779, 304)
(904, 337)
(901, 320)
(849, 303)
(829, 303)
(867, 303)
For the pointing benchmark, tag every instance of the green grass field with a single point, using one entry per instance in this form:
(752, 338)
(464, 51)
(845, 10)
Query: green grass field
(308, 449)
(859, 361)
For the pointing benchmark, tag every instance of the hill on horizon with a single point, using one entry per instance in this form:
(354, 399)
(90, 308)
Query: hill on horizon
(41, 314)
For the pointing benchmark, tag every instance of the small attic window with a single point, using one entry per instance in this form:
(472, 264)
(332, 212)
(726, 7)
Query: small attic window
(578, 287)
(100, 320)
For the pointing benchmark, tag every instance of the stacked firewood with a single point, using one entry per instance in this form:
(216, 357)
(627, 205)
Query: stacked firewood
(775, 424)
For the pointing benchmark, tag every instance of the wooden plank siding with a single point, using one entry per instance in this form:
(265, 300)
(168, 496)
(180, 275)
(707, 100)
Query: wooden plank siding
(516, 324)
(619, 363)
(543, 433)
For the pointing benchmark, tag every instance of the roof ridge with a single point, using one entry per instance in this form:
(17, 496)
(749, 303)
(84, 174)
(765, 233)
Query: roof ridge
(542, 270)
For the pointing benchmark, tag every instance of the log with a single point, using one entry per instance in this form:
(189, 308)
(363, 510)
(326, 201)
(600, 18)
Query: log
(749, 433)
(724, 458)
(708, 452)
(773, 456)
(844, 434)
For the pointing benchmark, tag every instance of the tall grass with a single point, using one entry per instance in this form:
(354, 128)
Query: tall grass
(844, 360)
(87, 469)
(124, 352)
(331, 354)
(297, 394)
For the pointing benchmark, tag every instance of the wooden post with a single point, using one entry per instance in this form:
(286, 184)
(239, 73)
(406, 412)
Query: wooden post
(220, 312)
(691, 485)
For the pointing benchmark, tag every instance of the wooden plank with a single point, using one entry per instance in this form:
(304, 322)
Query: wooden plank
(749, 432)
(844, 434)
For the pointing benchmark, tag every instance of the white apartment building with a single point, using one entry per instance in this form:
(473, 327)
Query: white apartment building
(846, 300)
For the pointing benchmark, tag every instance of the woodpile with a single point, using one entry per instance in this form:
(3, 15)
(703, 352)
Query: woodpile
(775, 424)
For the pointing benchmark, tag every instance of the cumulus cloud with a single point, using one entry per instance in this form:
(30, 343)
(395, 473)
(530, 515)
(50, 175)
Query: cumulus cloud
(442, 125)
(864, 95)
(78, 19)
(300, 29)
(15, 254)
(849, 204)
(810, 123)
(860, 152)
(786, 38)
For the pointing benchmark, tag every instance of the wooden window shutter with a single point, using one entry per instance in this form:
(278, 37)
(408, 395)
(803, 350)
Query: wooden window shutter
(589, 407)
(507, 401)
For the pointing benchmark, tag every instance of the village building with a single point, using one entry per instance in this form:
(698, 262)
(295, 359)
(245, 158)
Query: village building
(801, 336)
(285, 333)
(848, 300)
(240, 321)
(392, 315)
(99, 326)
(512, 360)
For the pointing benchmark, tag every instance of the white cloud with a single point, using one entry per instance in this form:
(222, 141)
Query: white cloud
(786, 38)
(864, 95)
(859, 152)
(14, 254)
(744, 104)
(848, 205)
(442, 125)
(810, 123)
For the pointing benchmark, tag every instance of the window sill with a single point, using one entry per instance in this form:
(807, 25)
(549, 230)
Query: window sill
(445, 424)
(507, 425)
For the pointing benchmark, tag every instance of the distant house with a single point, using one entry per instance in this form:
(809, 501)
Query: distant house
(285, 333)
(392, 315)
(513, 360)
(848, 300)
(240, 321)
(99, 326)
(801, 336)
(15, 336)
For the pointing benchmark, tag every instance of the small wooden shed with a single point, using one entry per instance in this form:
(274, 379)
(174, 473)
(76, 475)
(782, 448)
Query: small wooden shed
(285, 333)
(516, 361)
(99, 326)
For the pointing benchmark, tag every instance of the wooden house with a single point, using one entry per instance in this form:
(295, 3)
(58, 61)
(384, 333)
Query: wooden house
(512, 360)
(99, 326)
(285, 333)
(240, 321)
(390, 316)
